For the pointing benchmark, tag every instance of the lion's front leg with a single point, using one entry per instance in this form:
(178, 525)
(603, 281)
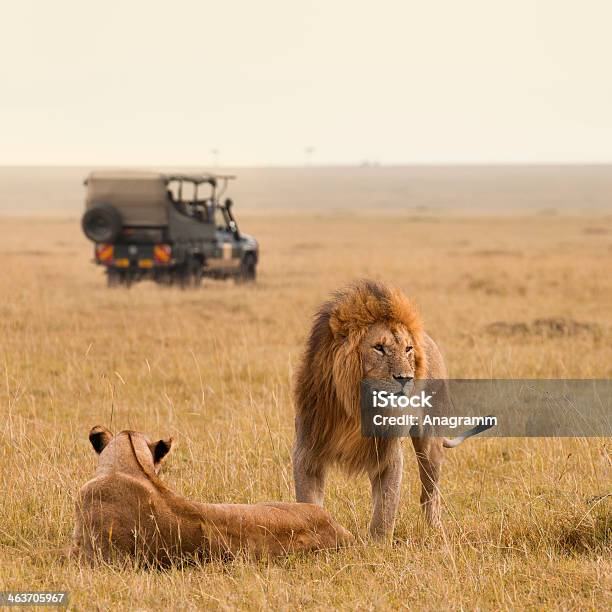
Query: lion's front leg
(386, 484)
(429, 457)
(309, 480)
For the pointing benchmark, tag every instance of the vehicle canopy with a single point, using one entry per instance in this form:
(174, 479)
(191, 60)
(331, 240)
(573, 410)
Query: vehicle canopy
(141, 198)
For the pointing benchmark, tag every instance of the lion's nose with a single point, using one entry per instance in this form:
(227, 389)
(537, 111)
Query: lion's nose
(402, 380)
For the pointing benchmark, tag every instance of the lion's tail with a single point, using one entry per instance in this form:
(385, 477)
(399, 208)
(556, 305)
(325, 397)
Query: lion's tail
(453, 442)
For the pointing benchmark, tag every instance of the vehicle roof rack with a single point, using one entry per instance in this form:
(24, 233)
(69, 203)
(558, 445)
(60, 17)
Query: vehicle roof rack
(198, 179)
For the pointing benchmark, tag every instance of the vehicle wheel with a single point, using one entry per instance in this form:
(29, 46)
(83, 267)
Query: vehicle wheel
(248, 269)
(164, 277)
(170, 277)
(197, 272)
(183, 276)
(102, 223)
(113, 277)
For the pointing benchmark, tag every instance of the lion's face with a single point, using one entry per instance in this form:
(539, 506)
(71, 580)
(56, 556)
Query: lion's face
(387, 353)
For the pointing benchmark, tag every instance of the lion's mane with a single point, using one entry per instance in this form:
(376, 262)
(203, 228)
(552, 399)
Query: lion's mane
(328, 381)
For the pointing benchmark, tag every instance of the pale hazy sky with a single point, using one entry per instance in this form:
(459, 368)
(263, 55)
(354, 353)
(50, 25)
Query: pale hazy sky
(150, 82)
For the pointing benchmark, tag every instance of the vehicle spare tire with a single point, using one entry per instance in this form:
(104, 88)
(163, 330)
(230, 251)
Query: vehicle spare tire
(102, 223)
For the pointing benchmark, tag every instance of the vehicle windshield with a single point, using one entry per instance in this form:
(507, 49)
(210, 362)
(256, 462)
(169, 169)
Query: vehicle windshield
(221, 219)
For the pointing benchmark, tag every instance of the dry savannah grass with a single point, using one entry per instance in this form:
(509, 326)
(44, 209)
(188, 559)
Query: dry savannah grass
(526, 521)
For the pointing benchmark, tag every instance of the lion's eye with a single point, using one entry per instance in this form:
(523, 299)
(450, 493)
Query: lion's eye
(380, 348)
(408, 349)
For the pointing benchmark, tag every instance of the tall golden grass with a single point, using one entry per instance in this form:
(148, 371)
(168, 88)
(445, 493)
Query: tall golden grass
(526, 522)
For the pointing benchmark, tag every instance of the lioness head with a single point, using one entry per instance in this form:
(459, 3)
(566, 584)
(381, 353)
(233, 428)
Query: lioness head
(127, 445)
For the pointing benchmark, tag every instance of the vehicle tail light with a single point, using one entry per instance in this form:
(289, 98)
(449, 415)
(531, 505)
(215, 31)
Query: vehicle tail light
(104, 252)
(162, 253)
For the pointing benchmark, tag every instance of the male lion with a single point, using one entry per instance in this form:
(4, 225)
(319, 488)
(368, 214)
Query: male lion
(368, 330)
(127, 511)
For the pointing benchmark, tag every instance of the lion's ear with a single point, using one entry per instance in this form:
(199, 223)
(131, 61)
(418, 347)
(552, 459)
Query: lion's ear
(337, 328)
(99, 437)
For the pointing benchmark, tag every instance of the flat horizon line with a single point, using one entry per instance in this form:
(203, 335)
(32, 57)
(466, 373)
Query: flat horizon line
(543, 164)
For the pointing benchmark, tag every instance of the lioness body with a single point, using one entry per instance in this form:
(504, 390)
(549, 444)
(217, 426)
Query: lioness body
(367, 331)
(127, 509)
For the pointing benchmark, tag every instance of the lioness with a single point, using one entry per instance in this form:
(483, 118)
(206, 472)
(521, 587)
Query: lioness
(126, 510)
(368, 330)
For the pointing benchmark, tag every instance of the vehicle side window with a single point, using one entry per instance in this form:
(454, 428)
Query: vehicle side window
(192, 201)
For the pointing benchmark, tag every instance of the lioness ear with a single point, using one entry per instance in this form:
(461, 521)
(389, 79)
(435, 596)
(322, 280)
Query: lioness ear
(99, 437)
(160, 449)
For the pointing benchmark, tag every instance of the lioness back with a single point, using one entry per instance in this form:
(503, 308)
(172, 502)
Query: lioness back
(121, 514)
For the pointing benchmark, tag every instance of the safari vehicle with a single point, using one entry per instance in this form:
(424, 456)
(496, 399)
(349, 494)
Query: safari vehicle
(148, 225)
